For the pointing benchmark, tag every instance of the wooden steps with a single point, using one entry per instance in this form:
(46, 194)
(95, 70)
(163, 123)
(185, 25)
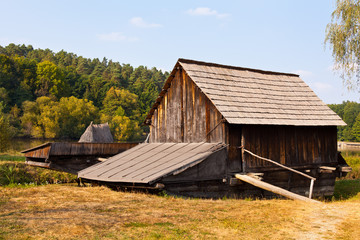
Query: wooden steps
(272, 188)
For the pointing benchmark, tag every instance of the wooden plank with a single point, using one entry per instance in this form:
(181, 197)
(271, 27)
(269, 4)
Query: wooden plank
(146, 150)
(156, 126)
(170, 153)
(166, 118)
(182, 117)
(119, 159)
(273, 188)
(177, 106)
(282, 143)
(37, 164)
(175, 166)
(189, 110)
(194, 116)
(144, 161)
(207, 119)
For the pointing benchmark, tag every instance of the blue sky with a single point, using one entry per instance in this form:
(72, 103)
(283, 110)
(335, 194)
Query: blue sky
(285, 36)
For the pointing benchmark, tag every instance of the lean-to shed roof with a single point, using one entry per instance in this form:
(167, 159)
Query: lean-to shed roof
(251, 96)
(149, 162)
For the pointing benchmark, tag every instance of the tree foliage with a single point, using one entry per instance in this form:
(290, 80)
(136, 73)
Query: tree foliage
(350, 113)
(343, 35)
(6, 130)
(58, 94)
(67, 118)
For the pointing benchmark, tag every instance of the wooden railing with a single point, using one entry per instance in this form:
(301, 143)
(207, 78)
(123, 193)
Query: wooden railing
(288, 168)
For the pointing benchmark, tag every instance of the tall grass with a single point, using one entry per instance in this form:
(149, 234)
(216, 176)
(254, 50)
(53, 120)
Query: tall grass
(353, 160)
(20, 174)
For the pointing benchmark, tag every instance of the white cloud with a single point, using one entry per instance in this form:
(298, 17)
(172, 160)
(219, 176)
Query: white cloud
(116, 37)
(303, 73)
(139, 22)
(204, 11)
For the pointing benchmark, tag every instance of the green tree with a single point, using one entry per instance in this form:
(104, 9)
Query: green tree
(74, 116)
(343, 35)
(67, 118)
(121, 102)
(351, 111)
(29, 118)
(356, 129)
(6, 130)
(50, 80)
(124, 129)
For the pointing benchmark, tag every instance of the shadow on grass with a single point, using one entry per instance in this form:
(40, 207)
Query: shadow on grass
(345, 189)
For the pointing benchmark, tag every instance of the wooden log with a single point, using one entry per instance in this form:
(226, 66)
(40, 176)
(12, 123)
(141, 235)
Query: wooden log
(328, 168)
(311, 188)
(345, 169)
(273, 188)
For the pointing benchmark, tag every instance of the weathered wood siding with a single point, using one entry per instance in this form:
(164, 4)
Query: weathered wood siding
(234, 151)
(291, 146)
(77, 149)
(185, 114)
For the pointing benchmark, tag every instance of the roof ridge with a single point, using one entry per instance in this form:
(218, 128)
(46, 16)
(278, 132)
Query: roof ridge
(183, 60)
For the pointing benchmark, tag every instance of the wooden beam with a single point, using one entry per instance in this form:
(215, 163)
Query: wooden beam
(273, 188)
(276, 163)
(37, 164)
(345, 169)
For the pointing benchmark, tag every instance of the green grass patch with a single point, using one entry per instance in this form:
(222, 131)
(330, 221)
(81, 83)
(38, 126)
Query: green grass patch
(346, 189)
(136, 224)
(353, 160)
(6, 157)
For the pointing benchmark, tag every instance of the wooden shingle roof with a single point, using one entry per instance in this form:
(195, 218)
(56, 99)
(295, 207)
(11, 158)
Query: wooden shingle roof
(251, 96)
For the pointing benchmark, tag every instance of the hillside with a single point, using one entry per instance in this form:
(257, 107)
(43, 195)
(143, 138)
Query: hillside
(44, 94)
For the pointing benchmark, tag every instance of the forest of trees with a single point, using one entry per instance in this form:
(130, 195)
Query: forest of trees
(56, 95)
(350, 113)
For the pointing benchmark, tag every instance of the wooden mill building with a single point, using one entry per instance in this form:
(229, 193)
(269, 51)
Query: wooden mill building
(212, 121)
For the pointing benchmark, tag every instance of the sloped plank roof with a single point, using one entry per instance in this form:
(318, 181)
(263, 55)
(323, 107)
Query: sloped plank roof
(251, 96)
(148, 162)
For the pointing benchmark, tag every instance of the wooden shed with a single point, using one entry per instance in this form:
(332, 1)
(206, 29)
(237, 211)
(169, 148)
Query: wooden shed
(269, 122)
(97, 133)
(72, 156)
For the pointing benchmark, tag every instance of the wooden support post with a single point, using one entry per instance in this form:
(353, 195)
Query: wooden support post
(311, 188)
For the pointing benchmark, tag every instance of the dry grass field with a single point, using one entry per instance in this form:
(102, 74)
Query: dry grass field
(70, 212)
(29, 210)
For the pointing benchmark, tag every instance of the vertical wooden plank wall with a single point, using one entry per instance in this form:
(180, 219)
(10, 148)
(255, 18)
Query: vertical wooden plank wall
(185, 114)
(290, 145)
